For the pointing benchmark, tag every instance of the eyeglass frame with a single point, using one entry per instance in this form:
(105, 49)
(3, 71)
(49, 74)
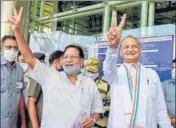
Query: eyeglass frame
(10, 47)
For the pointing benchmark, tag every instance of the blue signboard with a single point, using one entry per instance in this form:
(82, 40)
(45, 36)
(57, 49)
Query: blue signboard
(157, 53)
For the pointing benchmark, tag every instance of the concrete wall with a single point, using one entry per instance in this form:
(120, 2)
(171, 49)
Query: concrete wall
(7, 11)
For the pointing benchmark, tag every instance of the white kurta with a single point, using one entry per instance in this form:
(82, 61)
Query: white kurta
(63, 102)
(151, 108)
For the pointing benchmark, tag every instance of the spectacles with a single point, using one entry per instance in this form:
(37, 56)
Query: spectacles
(10, 47)
(70, 57)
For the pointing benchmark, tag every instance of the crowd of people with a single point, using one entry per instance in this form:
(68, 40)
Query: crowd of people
(70, 93)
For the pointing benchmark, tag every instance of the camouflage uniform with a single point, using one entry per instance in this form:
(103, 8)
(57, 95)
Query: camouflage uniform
(104, 89)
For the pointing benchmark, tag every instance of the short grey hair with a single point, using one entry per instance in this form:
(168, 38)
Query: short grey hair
(137, 40)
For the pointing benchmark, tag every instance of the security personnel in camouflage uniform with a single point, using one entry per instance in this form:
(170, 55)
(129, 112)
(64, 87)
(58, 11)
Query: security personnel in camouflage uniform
(92, 69)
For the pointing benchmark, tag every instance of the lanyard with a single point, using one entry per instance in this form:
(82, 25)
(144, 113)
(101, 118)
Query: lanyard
(136, 93)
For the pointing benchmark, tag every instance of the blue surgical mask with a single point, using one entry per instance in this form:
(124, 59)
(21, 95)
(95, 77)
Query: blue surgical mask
(72, 70)
(83, 70)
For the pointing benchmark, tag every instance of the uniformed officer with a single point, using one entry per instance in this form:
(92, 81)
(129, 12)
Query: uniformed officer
(92, 69)
(11, 84)
(35, 98)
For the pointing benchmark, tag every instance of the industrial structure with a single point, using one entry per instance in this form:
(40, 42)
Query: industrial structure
(86, 17)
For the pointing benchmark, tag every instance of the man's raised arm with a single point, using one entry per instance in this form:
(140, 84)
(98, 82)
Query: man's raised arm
(114, 36)
(15, 22)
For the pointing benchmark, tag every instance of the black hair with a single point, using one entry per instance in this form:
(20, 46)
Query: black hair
(4, 38)
(19, 53)
(174, 61)
(55, 55)
(39, 55)
(81, 53)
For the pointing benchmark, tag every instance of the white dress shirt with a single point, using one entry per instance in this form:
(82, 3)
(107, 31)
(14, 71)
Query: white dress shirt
(151, 109)
(63, 102)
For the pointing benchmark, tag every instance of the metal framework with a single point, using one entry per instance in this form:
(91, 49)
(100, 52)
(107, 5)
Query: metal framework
(104, 7)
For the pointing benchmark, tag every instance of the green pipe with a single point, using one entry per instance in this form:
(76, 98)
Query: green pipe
(41, 14)
(144, 12)
(72, 26)
(151, 13)
(128, 5)
(42, 4)
(151, 17)
(79, 10)
(88, 13)
(33, 16)
(144, 15)
(106, 20)
(72, 16)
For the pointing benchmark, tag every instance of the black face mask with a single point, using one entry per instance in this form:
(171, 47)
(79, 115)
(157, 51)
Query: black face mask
(61, 69)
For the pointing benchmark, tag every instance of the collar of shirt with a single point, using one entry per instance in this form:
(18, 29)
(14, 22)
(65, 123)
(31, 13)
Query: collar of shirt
(77, 84)
(130, 67)
(132, 71)
(4, 62)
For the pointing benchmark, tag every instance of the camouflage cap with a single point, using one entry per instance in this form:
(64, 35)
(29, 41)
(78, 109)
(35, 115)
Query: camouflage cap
(93, 65)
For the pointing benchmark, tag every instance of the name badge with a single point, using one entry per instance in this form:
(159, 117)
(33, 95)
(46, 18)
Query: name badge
(19, 85)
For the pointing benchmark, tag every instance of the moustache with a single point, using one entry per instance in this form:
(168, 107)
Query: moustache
(130, 53)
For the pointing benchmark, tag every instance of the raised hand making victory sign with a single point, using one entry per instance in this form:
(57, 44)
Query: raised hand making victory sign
(115, 31)
(15, 20)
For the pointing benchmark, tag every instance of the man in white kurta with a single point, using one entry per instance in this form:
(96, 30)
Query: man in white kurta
(151, 107)
(64, 102)
(137, 99)
(70, 100)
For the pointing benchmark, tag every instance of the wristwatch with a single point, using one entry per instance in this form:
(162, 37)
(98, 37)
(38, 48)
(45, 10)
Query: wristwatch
(94, 119)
